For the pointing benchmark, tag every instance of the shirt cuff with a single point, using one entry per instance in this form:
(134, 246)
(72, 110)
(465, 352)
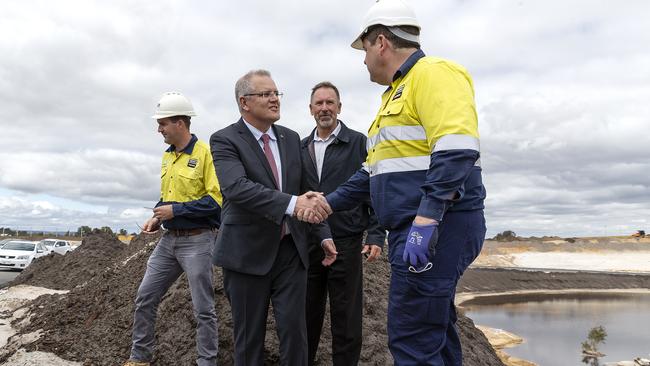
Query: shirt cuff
(323, 241)
(433, 209)
(292, 206)
(375, 240)
(178, 209)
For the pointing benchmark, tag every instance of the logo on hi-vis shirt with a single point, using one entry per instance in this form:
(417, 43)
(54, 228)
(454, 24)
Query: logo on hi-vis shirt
(192, 163)
(398, 92)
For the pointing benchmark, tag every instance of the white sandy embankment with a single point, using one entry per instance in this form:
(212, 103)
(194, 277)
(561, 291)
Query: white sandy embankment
(589, 254)
(609, 261)
(11, 301)
(500, 340)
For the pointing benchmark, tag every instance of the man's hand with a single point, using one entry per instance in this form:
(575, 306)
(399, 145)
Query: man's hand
(371, 251)
(312, 207)
(151, 226)
(163, 213)
(421, 243)
(330, 252)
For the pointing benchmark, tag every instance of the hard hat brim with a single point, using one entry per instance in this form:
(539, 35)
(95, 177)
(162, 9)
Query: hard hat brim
(167, 115)
(357, 44)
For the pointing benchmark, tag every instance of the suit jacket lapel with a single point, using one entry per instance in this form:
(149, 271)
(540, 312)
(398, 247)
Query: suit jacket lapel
(312, 155)
(247, 135)
(282, 147)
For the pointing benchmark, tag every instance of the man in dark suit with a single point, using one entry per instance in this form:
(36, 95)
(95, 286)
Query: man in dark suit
(261, 246)
(331, 154)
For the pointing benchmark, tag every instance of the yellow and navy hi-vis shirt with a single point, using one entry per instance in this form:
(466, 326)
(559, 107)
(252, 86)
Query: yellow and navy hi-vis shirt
(423, 146)
(189, 183)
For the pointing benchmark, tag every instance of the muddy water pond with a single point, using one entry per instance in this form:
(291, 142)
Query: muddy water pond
(554, 326)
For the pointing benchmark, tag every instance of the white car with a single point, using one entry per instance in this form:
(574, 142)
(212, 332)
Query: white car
(56, 246)
(18, 254)
(3, 241)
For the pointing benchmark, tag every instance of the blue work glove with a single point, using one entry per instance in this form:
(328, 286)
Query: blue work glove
(421, 246)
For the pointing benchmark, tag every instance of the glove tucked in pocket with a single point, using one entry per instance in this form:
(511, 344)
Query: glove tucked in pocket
(420, 247)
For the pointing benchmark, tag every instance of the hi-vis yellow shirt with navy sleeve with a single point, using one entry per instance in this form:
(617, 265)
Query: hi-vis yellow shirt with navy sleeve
(423, 146)
(189, 183)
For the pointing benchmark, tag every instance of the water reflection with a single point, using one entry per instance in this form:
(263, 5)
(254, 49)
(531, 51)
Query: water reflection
(554, 328)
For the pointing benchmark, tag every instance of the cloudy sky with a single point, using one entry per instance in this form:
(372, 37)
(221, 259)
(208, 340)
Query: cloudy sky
(562, 89)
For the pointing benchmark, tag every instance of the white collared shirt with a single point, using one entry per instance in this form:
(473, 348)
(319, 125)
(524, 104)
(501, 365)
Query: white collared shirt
(320, 146)
(273, 144)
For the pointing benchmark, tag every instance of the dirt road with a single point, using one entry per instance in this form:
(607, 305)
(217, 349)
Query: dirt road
(7, 275)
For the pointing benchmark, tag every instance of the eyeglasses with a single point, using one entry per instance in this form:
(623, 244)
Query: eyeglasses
(266, 94)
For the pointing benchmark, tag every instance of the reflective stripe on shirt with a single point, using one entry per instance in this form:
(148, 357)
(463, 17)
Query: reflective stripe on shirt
(400, 165)
(397, 133)
(457, 142)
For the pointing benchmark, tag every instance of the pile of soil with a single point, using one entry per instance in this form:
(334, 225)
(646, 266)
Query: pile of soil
(500, 280)
(92, 323)
(65, 272)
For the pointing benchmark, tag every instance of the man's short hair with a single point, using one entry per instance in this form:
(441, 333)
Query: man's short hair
(397, 42)
(185, 119)
(243, 85)
(325, 84)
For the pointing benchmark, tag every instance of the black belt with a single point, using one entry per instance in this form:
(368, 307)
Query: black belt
(188, 232)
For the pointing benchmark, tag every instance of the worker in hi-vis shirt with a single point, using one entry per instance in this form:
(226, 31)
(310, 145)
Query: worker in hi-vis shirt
(423, 176)
(189, 213)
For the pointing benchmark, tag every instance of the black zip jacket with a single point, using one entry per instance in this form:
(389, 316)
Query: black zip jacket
(343, 157)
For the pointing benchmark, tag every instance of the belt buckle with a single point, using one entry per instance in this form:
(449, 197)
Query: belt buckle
(180, 232)
(187, 232)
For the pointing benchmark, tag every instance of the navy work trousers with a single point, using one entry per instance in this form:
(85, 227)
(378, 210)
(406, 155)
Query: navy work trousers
(421, 311)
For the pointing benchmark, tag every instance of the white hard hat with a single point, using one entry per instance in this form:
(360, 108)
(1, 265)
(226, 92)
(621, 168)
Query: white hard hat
(390, 13)
(173, 104)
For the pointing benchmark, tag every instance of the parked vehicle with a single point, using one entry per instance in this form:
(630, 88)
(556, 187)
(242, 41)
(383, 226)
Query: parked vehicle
(56, 246)
(18, 254)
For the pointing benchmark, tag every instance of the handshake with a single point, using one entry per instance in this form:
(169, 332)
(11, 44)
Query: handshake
(312, 207)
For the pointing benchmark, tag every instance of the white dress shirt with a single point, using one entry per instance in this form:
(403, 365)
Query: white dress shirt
(320, 145)
(273, 144)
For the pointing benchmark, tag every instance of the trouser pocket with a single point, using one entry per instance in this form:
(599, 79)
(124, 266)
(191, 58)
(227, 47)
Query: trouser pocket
(427, 299)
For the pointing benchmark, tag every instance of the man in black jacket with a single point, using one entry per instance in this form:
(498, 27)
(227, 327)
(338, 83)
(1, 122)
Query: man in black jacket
(331, 154)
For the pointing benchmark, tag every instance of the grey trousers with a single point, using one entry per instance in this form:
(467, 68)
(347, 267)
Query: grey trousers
(172, 256)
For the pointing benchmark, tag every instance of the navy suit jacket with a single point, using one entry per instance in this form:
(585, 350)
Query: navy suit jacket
(254, 207)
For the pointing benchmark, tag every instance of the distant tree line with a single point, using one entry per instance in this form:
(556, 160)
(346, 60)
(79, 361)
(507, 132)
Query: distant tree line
(81, 231)
(84, 230)
(6, 231)
(507, 235)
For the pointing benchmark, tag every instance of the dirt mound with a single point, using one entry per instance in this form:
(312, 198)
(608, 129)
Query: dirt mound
(92, 323)
(499, 280)
(65, 272)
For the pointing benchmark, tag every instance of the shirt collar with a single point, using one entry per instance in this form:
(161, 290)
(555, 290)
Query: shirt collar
(188, 149)
(408, 64)
(257, 133)
(332, 135)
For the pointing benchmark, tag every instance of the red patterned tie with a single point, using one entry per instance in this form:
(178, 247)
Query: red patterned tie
(269, 156)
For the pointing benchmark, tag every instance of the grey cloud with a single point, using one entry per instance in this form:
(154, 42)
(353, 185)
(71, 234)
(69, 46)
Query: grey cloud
(101, 175)
(561, 91)
(22, 214)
